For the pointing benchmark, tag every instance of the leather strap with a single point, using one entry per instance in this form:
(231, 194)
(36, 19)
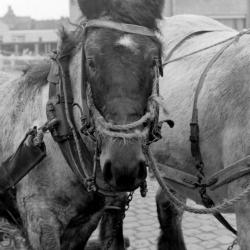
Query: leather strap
(178, 176)
(225, 176)
(124, 27)
(230, 173)
(85, 107)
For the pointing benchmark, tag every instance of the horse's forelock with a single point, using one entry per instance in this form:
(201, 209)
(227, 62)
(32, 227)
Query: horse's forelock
(69, 40)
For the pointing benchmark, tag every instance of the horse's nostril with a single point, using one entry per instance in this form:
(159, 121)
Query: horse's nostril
(107, 173)
(142, 173)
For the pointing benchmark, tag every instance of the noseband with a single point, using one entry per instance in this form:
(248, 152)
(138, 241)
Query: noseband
(60, 113)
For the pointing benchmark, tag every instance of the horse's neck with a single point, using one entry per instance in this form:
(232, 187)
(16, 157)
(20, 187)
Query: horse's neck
(22, 108)
(76, 81)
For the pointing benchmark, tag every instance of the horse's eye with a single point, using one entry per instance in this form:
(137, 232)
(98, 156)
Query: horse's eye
(91, 64)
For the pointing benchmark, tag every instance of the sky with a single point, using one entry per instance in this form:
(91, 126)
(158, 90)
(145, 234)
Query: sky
(37, 9)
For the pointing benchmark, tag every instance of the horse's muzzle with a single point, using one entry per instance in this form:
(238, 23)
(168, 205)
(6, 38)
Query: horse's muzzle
(124, 167)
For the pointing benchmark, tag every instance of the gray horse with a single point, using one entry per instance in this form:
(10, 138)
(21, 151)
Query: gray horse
(224, 110)
(56, 211)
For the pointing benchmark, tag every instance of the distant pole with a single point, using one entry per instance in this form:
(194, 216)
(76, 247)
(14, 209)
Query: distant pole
(171, 7)
(248, 14)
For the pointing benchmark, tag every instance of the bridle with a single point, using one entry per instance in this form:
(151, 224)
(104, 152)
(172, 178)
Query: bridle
(128, 131)
(93, 125)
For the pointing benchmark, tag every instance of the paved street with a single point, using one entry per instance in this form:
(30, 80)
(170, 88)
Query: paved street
(202, 232)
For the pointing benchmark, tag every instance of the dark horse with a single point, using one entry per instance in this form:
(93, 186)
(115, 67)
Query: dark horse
(56, 211)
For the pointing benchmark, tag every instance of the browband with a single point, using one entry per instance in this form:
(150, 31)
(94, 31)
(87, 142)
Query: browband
(124, 27)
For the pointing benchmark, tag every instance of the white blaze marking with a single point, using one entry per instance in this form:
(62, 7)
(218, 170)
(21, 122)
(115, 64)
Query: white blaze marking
(128, 42)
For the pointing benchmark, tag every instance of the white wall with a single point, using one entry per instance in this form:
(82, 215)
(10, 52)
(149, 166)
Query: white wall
(3, 28)
(207, 7)
(75, 12)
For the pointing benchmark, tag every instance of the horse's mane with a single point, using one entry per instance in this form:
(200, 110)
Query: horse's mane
(36, 74)
(140, 12)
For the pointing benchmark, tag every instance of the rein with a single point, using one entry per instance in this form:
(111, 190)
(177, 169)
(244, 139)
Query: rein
(168, 60)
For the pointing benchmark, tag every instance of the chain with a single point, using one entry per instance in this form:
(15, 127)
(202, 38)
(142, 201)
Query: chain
(119, 223)
(129, 199)
(235, 242)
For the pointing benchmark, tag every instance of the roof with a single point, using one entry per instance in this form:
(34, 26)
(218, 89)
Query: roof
(27, 23)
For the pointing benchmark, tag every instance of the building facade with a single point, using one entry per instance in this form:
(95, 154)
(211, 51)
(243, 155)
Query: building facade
(29, 42)
(20, 35)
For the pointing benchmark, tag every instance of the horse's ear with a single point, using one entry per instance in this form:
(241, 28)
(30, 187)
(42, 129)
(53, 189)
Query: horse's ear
(93, 8)
(155, 7)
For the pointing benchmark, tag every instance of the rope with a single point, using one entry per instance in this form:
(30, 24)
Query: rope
(129, 126)
(243, 32)
(129, 136)
(182, 206)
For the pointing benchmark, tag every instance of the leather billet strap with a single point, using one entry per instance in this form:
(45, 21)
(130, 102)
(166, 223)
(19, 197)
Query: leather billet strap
(124, 27)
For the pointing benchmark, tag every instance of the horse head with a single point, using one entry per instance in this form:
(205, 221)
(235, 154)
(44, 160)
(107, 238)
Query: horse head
(120, 68)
